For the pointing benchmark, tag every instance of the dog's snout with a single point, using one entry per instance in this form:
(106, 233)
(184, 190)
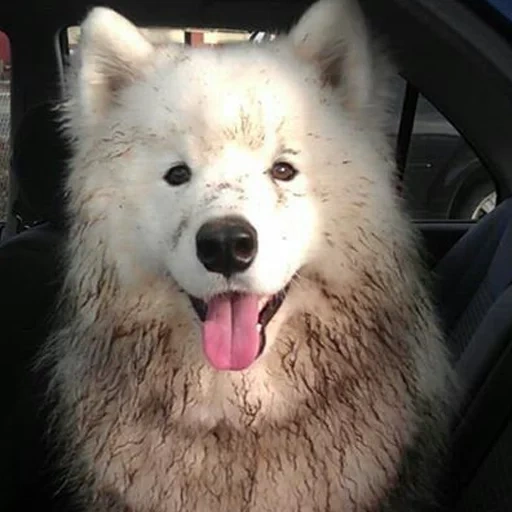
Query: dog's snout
(227, 245)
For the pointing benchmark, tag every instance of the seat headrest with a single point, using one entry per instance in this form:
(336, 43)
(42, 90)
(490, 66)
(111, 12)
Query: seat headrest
(39, 162)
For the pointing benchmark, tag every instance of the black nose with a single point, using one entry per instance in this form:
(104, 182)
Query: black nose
(227, 245)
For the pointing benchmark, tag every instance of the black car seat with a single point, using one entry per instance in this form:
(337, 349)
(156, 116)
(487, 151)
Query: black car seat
(30, 279)
(472, 281)
(474, 300)
(474, 294)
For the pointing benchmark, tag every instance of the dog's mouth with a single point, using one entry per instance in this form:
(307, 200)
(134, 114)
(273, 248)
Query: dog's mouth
(233, 327)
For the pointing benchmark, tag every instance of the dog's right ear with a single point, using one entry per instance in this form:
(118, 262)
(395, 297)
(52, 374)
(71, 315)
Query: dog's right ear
(112, 53)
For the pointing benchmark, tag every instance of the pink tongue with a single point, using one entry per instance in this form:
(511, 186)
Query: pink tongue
(230, 338)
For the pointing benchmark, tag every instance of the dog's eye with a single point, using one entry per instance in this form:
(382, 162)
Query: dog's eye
(178, 175)
(283, 171)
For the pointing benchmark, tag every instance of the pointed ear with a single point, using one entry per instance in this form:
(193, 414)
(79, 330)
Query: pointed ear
(333, 36)
(112, 54)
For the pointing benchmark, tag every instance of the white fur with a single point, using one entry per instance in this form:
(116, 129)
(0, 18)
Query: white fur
(354, 371)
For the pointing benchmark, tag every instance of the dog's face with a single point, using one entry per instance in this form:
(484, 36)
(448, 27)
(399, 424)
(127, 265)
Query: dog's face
(226, 190)
(223, 169)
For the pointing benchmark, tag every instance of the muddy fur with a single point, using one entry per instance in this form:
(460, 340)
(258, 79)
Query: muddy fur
(348, 407)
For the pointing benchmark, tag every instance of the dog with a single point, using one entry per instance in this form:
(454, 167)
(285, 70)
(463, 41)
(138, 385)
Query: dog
(245, 321)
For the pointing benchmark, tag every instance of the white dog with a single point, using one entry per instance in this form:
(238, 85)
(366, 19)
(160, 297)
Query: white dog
(244, 324)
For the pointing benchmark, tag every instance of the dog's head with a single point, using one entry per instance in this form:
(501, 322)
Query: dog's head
(236, 172)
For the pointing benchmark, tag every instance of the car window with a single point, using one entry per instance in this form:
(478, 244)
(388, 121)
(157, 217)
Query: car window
(5, 120)
(192, 36)
(443, 178)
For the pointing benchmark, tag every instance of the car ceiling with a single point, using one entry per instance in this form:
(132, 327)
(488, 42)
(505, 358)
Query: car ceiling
(207, 13)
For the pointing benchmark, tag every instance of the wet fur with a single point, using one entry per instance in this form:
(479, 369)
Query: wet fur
(348, 408)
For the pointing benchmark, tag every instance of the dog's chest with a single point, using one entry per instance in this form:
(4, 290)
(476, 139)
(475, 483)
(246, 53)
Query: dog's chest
(282, 472)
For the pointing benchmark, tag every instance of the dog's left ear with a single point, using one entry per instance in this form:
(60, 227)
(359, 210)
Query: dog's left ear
(333, 36)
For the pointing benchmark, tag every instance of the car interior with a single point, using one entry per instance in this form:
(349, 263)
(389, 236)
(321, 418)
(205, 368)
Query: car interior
(455, 53)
